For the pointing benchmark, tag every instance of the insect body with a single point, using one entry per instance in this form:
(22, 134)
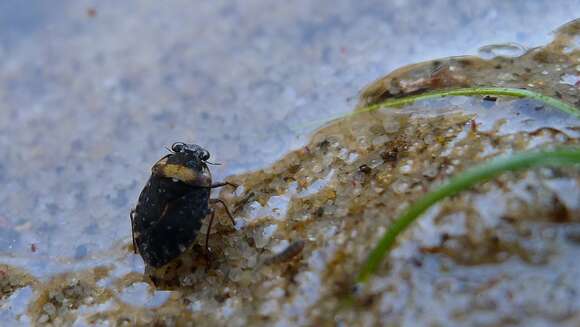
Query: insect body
(173, 204)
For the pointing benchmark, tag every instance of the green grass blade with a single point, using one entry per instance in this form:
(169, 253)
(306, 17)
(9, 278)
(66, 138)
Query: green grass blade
(471, 91)
(475, 175)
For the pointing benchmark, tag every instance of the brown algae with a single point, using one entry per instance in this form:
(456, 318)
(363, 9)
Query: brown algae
(493, 255)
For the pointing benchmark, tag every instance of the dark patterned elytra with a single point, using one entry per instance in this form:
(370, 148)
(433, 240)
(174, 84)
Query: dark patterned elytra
(173, 204)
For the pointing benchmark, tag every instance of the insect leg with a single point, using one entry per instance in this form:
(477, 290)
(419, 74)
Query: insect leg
(225, 207)
(208, 230)
(132, 231)
(223, 184)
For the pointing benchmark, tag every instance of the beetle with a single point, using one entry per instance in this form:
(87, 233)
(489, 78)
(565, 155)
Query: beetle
(173, 204)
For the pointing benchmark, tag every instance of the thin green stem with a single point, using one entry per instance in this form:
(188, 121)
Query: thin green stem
(470, 91)
(496, 91)
(475, 175)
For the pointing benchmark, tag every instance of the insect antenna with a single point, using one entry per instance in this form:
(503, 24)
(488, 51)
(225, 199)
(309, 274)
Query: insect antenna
(213, 163)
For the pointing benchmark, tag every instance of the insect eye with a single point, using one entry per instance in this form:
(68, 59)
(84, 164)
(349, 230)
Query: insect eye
(204, 155)
(178, 147)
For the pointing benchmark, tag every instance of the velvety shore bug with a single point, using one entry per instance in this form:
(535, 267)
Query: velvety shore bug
(173, 204)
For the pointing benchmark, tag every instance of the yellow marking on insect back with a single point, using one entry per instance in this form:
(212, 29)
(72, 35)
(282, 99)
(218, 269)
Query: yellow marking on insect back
(181, 173)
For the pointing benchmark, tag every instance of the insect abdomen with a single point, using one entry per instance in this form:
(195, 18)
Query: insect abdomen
(174, 232)
(167, 219)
